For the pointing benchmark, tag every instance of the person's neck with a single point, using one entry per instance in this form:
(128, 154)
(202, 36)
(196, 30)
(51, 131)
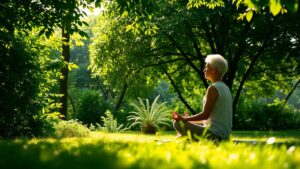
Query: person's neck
(214, 80)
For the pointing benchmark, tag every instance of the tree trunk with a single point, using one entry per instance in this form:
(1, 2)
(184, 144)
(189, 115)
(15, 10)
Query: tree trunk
(121, 97)
(247, 73)
(292, 91)
(233, 64)
(72, 103)
(188, 60)
(201, 57)
(65, 73)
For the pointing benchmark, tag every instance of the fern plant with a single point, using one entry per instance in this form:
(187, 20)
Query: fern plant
(149, 117)
(110, 124)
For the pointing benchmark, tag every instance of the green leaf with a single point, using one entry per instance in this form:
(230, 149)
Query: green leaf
(249, 15)
(41, 32)
(129, 27)
(48, 33)
(83, 34)
(241, 16)
(275, 7)
(85, 23)
(72, 66)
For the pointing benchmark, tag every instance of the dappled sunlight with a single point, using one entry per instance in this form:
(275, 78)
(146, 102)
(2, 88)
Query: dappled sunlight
(133, 150)
(269, 137)
(130, 137)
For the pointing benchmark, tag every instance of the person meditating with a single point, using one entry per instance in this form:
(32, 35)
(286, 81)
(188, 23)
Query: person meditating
(216, 116)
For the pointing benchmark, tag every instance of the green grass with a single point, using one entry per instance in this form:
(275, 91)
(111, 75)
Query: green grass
(132, 150)
(289, 136)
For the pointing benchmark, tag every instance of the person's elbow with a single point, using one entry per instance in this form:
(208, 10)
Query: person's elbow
(205, 115)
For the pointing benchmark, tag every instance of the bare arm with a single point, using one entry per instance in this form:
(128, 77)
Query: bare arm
(211, 98)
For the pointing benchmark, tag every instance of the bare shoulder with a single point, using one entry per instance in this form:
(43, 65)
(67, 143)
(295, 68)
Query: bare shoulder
(212, 91)
(212, 88)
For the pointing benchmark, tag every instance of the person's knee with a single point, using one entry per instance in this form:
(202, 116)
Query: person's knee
(176, 124)
(179, 125)
(212, 137)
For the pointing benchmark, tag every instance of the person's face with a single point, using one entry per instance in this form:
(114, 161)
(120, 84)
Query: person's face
(209, 71)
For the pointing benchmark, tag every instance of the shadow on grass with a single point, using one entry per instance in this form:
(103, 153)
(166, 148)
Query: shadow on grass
(275, 138)
(76, 154)
(56, 155)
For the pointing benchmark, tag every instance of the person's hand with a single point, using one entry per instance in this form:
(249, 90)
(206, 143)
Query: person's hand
(186, 114)
(174, 115)
(177, 116)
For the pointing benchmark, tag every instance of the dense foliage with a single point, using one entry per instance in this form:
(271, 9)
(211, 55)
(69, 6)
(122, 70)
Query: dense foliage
(143, 49)
(19, 74)
(91, 107)
(29, 70)
(275, 116)
(175, 50)
(28, 66)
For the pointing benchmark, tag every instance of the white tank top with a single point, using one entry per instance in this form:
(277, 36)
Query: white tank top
(220, 120)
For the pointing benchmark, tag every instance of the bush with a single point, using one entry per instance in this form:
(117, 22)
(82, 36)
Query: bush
(19, 83)
(71, 128)
(121, 115)
(27, 78)
(91, 107)
(267, 117)
(45, 124)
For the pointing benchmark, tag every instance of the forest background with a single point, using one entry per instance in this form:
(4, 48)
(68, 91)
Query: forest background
(59, 63)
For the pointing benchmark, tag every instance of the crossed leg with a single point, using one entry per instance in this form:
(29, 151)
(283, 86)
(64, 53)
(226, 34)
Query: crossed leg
(199, 130)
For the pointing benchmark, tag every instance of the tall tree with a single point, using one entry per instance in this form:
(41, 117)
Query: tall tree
(117, 72)
(69, 19)
(20, 64)
(185, 36)
(65, 72)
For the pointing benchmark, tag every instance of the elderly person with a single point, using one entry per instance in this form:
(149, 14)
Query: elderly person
(217, 106)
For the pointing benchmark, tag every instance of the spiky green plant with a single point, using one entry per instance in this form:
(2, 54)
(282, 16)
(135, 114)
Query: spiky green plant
(110, 124)
(149, 118)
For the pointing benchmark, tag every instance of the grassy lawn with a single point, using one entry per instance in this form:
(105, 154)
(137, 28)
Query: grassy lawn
(133, 150)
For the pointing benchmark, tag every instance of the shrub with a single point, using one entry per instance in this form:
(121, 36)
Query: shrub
(122, 115)
(110, 124)
(267, 117)
(149, 117)
(45, 124)
(71, 128)
(91, 107)
(19, 83)
(27, 78)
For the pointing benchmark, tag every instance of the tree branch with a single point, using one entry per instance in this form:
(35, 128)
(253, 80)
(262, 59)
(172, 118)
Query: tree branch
(196, 69)
(178, 92)
(209, 37)
(198, 52)
(291, 92)
(253, 62)
(234, 62)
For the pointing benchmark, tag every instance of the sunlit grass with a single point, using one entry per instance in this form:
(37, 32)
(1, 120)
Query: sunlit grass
(134, 150)
(290, 136)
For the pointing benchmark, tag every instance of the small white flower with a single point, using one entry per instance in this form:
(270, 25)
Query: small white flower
(291, 149)
(271, 140)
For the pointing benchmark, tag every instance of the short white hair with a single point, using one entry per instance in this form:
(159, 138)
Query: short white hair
(217, 61)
